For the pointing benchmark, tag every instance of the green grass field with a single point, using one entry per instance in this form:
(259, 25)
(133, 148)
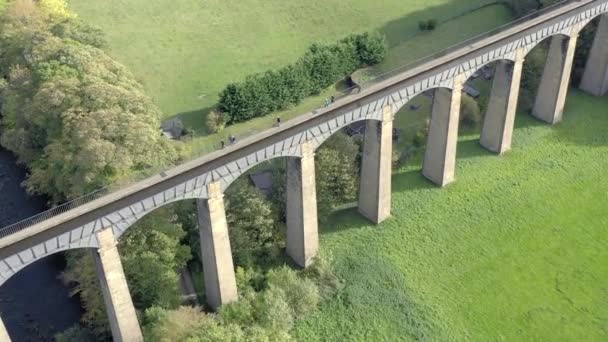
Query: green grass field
(515, 250)
(185, 54)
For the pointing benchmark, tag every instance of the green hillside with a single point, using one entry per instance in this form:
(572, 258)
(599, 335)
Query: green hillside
(185, 52)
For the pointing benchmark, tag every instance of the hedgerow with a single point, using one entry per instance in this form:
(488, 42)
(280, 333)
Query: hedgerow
(318, 68)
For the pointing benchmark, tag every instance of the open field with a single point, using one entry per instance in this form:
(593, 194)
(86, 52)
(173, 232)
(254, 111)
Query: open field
(185, 52)
(181, 52)
(514, 250)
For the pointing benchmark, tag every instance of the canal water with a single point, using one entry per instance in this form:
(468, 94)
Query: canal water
(34, 304)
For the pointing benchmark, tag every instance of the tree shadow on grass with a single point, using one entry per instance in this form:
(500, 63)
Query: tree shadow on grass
(195, 119)
(394, 30)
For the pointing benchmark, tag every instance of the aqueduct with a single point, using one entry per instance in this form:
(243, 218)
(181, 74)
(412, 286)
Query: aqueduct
(98, 223)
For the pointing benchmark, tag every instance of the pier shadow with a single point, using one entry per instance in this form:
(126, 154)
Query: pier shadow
(585, 120)
(344, 219)
(411, 180)
(471, 148)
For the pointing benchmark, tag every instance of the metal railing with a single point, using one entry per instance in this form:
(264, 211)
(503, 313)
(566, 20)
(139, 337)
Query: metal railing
(67, 206)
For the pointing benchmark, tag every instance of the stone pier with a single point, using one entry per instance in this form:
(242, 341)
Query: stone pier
(595, 77)
(218, 268)
(3, 333)
(116, 296)
(440, 155)
(302, 225)
(376, 173)
(497, 130)
(551, 95)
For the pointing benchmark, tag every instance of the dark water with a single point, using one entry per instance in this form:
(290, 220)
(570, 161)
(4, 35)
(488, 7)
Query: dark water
(34, 304)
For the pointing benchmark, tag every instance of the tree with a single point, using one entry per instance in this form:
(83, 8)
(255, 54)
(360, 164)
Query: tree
(337, 173)
(531, 75)
(318, 68)
(470, 114)
(75, 117)
(254, 236)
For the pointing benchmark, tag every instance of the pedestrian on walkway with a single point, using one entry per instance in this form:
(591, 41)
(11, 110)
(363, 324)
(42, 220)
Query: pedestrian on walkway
(222, 144)
(333, 99)
(326, 103)
(278, 121)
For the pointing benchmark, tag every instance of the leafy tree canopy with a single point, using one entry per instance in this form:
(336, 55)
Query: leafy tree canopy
(75, 117)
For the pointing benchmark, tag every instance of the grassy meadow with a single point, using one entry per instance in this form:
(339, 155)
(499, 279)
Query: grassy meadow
(515, 250)
(185, 53)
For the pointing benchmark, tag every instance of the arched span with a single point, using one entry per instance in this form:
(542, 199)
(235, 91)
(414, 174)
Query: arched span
(322, 138)
(529, 48)
(15, 263)
(400, 105)
(251, 166)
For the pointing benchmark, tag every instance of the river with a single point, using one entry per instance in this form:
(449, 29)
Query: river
(34, 304)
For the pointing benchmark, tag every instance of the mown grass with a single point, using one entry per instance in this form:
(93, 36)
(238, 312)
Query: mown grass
(515, 250)
(186, 53)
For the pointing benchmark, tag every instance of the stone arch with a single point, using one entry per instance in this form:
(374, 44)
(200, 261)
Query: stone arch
(405, 101)
(17, 262)
(120, 227)
(323, 138)
(530, 47)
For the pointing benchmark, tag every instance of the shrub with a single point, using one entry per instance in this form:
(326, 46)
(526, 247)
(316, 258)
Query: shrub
(302, 295)
(422, 25)
(216, 121)
(422, 135)
(431, 24)
(371, 48)
(321, 273)
(470, 115)
(273, 311)
(531, 74)
(318, 68)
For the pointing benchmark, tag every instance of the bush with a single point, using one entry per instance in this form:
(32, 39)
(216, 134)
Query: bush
(421, 136)
(216, 121)
(470, 115)
(531, 75)
(322, 274)
(422, 25)
(302, 295)
(431, 24)
(318, 68)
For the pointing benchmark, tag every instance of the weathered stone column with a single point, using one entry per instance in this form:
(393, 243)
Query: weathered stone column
(497, 130)
(376, 173)
(302, 225)
(218, 269)
(553, 89)
(3, 333)
(440, 155)
(595, 77)
(116, 296)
